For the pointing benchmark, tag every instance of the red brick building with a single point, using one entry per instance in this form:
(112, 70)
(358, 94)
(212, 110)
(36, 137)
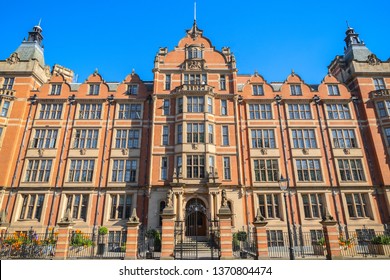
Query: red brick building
(97, 150)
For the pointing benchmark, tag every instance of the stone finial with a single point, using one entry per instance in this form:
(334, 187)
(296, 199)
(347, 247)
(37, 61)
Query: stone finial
(3, 216)
(67, 217)
(327, 216)
(134, 218)
(259, 217)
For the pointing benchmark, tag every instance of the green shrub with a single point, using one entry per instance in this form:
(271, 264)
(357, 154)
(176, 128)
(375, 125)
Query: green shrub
(381, 239)
(103, 230)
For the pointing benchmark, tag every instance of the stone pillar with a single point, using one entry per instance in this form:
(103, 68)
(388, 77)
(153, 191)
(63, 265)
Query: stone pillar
(132, 236)
(211, 203)
(180, 206)
(225, 230)
(261, 236)
(331, 235)
(168, 229)
(62, 246)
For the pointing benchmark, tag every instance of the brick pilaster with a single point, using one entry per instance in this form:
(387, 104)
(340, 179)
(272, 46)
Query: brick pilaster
(132, 237)
(261, 239)
(331, 235)
(168, 234)
(225, 229)
(62, 246)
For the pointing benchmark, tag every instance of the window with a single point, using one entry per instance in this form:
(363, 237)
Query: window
(32, 206)
(308, 170)
(316, 235)
(209, 105)
(194, 53)
(224, 110)
(81, 170)
(225, 135)
(179, 166)
(299, 111)
(179, 133)
(129, 111)
(357, 205)
(195, 133)
(8, 83)
(275, 238)
(226, 168)
(1, 132)
(165, 135)
(124, 171)
(86, 139)
(90, 111)
(295, 89)
(195, 104)
(333, 90)
(38, 170)
(166, 107)
(50, 111)
(338, 111)
(195, 79)
(4, 110)
(127, 138)
(222, 82)
(120, 206)
(260, 111)
(116, 240)
(167, 81)
(164, 168)
(312, 205)
(77, 206)
(180, 105)
(195, 166)
(304, 138)
(387, 135)
(44, 138)
(351, 170)
(132, 89)
(266, 170)
(263, 138)
(344, 138)
(379, 83)
(269, 206)
(55, 89)
(212, 165)
(384, 108)
(257, 90)
(211, 133)
(94, 89)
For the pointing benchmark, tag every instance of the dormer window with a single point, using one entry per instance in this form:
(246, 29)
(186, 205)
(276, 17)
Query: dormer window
(55, 89)
(94, 89)
(132, 89)
(296, 89)
(333, 90)
(194, 52)
(257, 90)
(195, 79)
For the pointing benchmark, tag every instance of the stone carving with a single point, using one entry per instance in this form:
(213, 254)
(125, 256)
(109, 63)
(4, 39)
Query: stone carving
(13, 59)
(47, 71)
(83, 151)
(195, 65)
(346, 151)
(125, 152)
(41, 152)
(169, 202)
(224, 199)
(263, 151)
(305, 151)
(373, 60)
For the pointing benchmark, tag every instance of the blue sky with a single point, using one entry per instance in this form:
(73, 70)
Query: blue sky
(271, 37)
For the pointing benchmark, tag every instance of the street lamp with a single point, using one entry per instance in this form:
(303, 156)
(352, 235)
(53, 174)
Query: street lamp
(283, 187)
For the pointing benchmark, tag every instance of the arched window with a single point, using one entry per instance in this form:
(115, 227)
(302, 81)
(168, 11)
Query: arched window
(194, 52)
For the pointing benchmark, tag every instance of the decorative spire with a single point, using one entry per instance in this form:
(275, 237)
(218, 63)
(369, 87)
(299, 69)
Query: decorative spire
(194, 32)
(352, 38)
(36, 34)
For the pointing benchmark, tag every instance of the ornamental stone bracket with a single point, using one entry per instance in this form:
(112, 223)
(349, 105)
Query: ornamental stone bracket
(13, 59)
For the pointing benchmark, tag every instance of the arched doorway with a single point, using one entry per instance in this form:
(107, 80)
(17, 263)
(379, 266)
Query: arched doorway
(195, 218)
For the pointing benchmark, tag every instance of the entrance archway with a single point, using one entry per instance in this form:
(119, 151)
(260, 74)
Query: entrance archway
(196, 218)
